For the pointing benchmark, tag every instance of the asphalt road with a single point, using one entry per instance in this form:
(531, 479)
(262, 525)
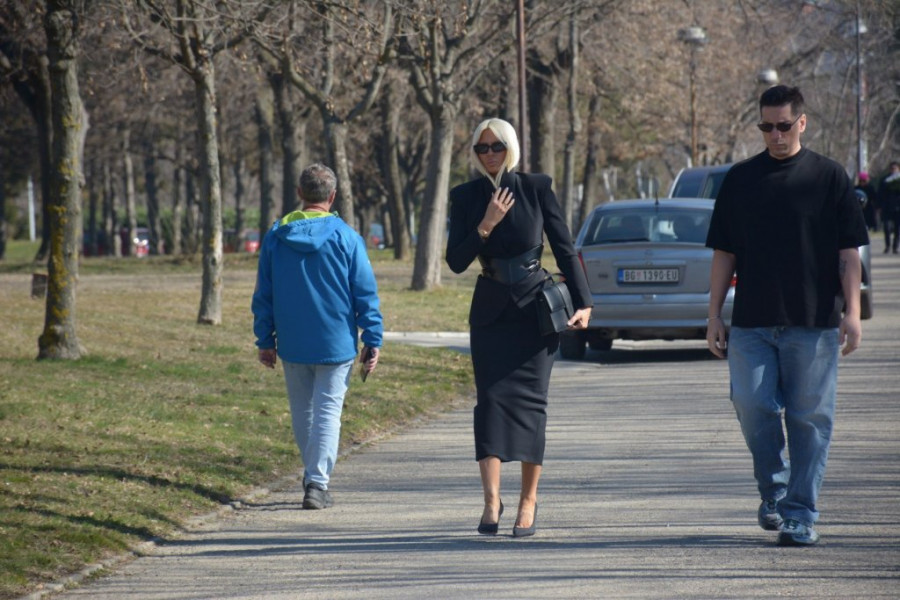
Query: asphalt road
(647, 493)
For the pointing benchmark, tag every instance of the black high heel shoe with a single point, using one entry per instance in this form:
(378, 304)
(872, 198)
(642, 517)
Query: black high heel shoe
(526, 531)
(491, 528)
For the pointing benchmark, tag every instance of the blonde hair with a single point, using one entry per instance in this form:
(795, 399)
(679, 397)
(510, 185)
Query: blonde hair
(506, 133)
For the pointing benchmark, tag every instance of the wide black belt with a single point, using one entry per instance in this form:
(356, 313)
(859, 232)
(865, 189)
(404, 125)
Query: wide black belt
(511, 270)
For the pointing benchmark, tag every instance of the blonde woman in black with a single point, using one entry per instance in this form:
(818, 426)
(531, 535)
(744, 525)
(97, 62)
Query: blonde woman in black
(500, 219)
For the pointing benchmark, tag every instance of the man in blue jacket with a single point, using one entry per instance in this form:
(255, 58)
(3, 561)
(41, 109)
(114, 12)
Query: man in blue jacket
(315, 290)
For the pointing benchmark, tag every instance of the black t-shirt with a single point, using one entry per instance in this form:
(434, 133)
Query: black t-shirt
(786, 221)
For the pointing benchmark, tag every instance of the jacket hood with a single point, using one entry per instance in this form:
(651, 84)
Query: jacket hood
(306, 231)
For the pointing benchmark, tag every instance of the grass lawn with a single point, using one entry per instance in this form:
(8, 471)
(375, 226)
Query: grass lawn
(165, 419)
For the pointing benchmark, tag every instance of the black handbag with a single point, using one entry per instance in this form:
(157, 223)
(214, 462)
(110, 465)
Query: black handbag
(554, 307)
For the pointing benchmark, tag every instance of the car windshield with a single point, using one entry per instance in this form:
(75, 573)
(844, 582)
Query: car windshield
(682, 226)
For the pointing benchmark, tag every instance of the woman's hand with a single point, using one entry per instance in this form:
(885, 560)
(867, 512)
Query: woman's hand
(501, 201)
(580, 319)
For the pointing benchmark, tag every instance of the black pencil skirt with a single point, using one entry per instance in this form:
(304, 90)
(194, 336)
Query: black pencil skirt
(512, 364)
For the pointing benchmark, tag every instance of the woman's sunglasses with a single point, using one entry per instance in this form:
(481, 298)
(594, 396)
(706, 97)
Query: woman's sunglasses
(496, 148)
(783, 127)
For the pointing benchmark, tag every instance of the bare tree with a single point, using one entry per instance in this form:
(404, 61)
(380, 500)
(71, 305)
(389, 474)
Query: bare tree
(569, 192)
(59, 339)
(265, 123)
(317, 75)
(389, 158)
(23, 60)
(631, 95)
(447, 50)
(189, 34)
(292, 124)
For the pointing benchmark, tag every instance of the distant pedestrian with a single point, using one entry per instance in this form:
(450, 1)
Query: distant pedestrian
(866, 192)
(889, 206)
(315, 290)
(500, 218)
(788, 223)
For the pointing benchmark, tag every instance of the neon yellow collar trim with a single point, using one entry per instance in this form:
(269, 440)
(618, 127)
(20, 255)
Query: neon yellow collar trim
(299, 215)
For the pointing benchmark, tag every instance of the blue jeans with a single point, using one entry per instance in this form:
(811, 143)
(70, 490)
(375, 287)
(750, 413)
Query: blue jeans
(316, 394)
(790, 371)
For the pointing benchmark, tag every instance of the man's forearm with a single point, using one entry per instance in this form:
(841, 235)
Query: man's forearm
(720, 277)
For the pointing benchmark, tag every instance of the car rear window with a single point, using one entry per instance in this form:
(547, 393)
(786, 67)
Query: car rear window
(712, 184)
(688, 185)
(677, 226)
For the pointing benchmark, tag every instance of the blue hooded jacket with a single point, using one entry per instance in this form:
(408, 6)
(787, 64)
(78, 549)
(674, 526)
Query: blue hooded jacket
(314, 290)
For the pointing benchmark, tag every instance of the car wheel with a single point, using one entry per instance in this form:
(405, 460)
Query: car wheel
(601, 345)
(571, 345)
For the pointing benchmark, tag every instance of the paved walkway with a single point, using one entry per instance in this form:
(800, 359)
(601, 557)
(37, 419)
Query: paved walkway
(647, 494)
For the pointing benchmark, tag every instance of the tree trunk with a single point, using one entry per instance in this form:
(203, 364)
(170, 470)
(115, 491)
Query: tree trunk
(152, 191)
(570, 196)
(388, 224)
(433, 223)
(211, 295)
(237, 168)
(336, 134)
(265, 124)
(93, 200)
(128, 185)
(191, 204)
(111, 212)
(543, 92)
(44, 120)
(59, 339)
(3, 229)
(290, 145)
(178, 176)
(591, 194)
(390, 158)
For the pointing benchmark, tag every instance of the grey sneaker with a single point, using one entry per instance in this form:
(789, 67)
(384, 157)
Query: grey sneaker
(795, 533)
(315, 497)
(768, 516)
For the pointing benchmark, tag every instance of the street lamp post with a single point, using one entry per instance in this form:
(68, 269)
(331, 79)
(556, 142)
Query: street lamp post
(695, 38)
(520, 66)
(861, 153)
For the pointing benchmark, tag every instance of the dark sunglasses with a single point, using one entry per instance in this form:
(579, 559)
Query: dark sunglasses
(496, 148)
(783, 127)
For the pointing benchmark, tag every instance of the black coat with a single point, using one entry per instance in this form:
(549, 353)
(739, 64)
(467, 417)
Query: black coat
(535, 211)
(889, 196)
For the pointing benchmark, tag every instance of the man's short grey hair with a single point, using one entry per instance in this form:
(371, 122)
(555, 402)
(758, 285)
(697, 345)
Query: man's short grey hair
(317, 182)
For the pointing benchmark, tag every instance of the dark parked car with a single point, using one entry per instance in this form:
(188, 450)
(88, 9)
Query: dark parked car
(648, 270)
(704, 182)
(699, 182)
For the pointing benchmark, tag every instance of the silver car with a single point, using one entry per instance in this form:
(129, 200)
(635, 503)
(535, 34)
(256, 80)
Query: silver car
(648, 270)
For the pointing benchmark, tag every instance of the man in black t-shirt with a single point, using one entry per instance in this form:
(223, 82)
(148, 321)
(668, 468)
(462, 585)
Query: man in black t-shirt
(788, 224)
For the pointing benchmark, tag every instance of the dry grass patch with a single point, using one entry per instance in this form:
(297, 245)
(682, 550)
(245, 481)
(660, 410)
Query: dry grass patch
(165, 419)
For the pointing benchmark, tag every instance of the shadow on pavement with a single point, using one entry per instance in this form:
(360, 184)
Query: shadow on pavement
(634, 355)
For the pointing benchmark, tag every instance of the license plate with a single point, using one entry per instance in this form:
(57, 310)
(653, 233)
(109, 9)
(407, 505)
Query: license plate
(648, 275)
